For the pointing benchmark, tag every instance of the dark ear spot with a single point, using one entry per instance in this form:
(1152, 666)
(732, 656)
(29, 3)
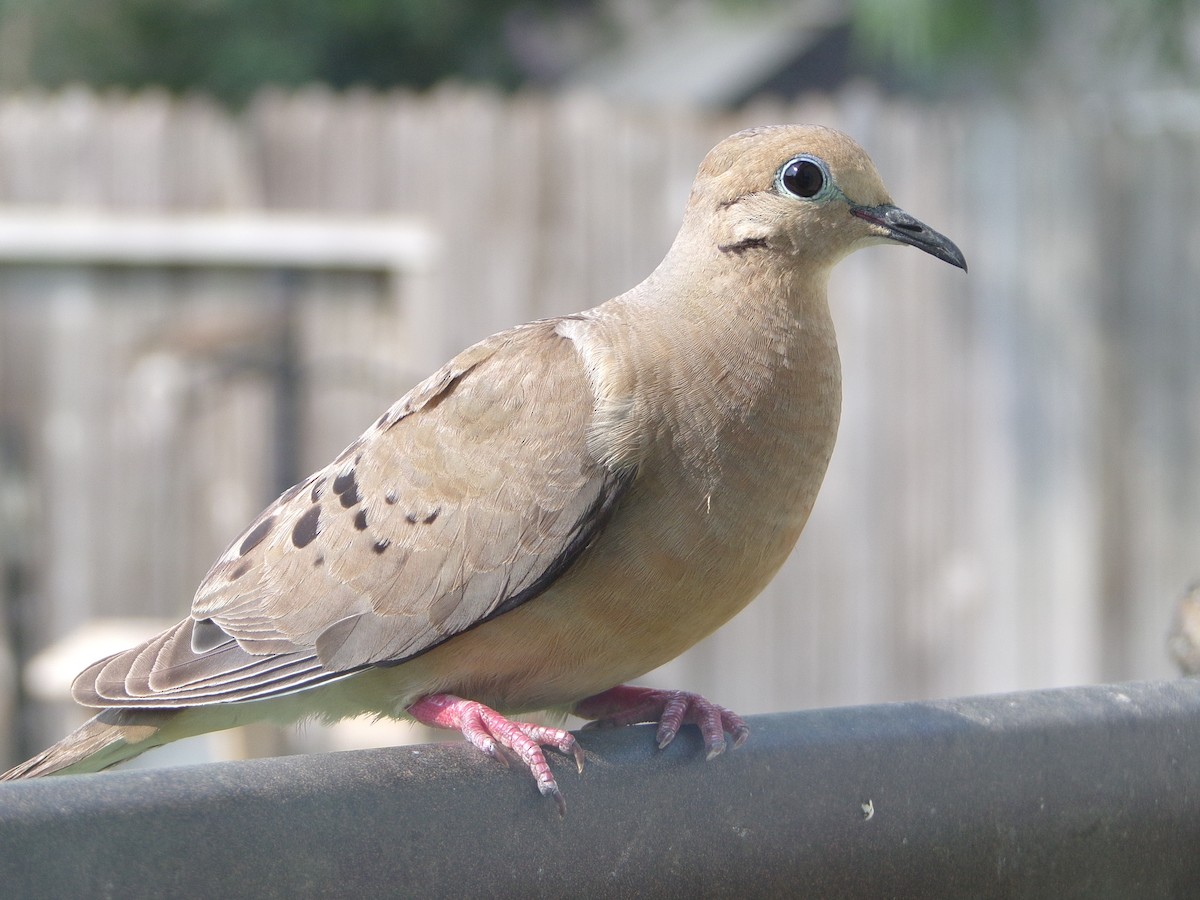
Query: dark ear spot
(743, 246)
(307, 527)
(255, 537)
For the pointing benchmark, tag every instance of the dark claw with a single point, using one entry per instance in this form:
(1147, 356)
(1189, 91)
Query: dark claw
(550, 789)
(740, 736)
(502, 754)
(579, 756)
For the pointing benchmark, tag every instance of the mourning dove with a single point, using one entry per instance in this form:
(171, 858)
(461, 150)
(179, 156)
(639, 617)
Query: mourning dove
(561, 508)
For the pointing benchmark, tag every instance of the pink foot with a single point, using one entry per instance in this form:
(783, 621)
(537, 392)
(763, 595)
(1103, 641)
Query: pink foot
(493, 734)
(626, 704)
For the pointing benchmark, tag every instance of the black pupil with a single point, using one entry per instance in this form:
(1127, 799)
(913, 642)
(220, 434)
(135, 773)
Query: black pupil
(803, 178)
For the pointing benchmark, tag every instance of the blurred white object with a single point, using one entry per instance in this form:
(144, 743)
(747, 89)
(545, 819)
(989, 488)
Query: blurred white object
(49, 674)
(267, 240)
(1183, 641)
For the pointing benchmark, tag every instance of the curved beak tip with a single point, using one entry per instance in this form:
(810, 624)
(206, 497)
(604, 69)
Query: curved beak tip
(903, 228)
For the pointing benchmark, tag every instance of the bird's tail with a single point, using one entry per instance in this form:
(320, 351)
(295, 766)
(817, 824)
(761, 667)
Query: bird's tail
(111, 737)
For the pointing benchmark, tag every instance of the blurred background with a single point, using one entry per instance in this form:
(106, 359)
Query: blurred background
(232, 232)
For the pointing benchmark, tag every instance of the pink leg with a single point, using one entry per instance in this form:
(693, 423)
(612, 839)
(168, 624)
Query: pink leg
(626, 704)
(493, 734)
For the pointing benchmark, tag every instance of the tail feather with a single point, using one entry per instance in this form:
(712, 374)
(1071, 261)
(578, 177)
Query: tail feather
(119, 733)
(113, 736)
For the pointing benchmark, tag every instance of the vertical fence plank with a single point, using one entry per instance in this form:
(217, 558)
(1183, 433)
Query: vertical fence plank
(1013, 499)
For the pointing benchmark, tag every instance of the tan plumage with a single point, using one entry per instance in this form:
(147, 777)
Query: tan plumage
(563, 507)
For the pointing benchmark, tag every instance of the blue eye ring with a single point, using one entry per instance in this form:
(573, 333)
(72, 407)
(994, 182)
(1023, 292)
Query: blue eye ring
(805, 177)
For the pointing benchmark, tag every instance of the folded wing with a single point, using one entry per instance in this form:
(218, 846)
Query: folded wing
(470, 496)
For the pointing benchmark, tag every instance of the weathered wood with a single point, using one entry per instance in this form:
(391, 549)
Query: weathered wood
(1013, 502)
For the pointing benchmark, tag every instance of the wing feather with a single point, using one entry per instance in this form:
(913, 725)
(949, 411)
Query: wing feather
(471, 495)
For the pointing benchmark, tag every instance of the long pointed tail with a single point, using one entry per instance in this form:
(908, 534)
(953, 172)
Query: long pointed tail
(111, 737)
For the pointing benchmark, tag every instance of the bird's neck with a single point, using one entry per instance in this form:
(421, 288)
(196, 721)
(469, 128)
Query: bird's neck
(762, 332)
(748, 354)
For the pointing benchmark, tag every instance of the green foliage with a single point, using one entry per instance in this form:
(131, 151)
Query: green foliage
(923, 34)
(230, 47)
(1005, 38)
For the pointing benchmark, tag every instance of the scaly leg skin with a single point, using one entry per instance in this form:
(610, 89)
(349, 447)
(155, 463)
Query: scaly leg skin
(626, 704)
(490, 732)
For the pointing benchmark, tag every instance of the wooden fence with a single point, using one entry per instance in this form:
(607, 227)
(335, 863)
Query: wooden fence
(1014, 501)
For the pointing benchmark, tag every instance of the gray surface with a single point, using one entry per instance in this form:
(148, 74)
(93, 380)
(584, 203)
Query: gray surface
(1087, 792)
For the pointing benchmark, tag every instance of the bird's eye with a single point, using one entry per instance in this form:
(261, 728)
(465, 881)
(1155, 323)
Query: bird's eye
(803, 176)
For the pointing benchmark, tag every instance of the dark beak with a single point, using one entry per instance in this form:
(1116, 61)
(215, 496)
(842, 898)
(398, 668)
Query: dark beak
(902, 227)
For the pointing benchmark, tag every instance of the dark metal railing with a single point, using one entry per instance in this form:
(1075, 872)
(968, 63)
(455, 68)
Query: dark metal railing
(1081, 792)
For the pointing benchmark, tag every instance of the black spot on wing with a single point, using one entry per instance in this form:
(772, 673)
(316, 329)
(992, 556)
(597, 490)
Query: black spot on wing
(380, 545)
(317, 490)
(451, 386)
(428, 518)
(346, 487)
(256, 535)
(307, 527)
(360, 520)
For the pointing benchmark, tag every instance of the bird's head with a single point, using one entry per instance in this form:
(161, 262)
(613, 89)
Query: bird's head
(808, 192)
